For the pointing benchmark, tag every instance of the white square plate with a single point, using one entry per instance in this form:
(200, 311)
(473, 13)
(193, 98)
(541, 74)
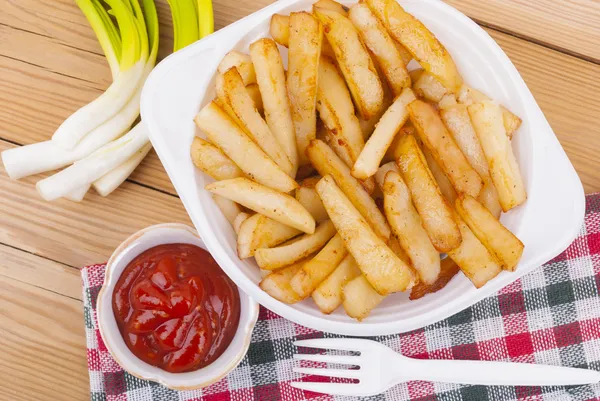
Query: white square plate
(547, 223)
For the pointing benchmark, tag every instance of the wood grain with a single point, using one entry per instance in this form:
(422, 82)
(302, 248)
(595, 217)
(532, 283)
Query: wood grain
(572, 26)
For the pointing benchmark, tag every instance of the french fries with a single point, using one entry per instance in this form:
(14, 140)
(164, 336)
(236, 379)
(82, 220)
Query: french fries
(319, 268)
(376, 147)
(229, 137)
(242, 62)
(306, 36)
(277, 284)
(435, 212)
(328, 163)
(504, 170)
(467, 95)
(236, 97)
(419, 41)
(448, 270)
(307, 195)
(296, 249)
(443, 182)
(503, 244)
(444, 150)
(254, 94)
(474, 260)
(389, 273)
(448, 100)
(360, 298)
(354, 61)
(427, 87)
(280, 31)
(270, 77)
(259, 231)
(229, 208)
(383, 170)
(333, 6)
(239, 220)
(328, 294)
(276, 205)
(382, 47)
(390, 155)
(406, 224)
(208, 158)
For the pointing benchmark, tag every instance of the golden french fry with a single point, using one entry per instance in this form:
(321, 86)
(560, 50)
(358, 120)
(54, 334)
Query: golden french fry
(384, 49)
(239, 220)
(443, 182)
(296, 249)
(276, 205)
(254, 94)
(390, 155)
(328, 294)
(229, 208)
(383, 170)
(448, 270)
(318, 268)
(503, 244)
(395, 246)
(407, 226)
(259, 231)
(368, 125)
(236, 97)
(333, 6)
(242, 62)
(427, 87)
(231, 139)
(489, 198)
(354, 61)
(328, 163)
(277, 284)
(504, 170)
(376, 147)
(474, 260)
(448, 100)
(443, 148)
(306, 36)
(389, 273)
(419, 41)
(208, 158)
(436, 214)
(467, 95)
(308, 197)
(270, 77)
(360, 298)
(280, 31)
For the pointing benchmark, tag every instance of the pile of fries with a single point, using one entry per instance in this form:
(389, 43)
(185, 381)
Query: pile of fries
(347, 175)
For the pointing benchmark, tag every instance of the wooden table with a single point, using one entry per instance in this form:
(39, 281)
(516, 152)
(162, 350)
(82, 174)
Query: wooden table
(51, 64)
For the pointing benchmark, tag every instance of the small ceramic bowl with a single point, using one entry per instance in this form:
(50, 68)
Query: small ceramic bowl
(125, 253)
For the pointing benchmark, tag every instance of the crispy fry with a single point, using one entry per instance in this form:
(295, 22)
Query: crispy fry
(296, 249)
(504, 170)
(443, 148)
(503, 244)
(419, 41)
(254, 94)
(395, 246)
(360, 298)
(208, 158)
(270, 77)
(306, 36)
(389, 273)
(368, 126)
(280, 31)
(277, 284)
(435, 212)
(474, 260)
(354, 61)
(382, 46)
(319, 268)
(376, 147)
(308, 197)
(239, 220)
(390, 155)
(406, 224)
(229, 208)
(443, 182)
(259, 231)
(276, 205)
(448, 100)
(327, 162)
(333, 6)
(383, 170)
(328, 294)
(242, 62)
(229, 137)
(448, 270)
(427, 87)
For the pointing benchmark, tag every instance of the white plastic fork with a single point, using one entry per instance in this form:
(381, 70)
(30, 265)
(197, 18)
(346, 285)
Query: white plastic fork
(381, 368)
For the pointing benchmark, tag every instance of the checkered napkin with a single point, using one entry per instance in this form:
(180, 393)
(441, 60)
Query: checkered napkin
(550, 316)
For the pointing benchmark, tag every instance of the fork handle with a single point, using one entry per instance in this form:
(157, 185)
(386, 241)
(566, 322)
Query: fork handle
(498, 373)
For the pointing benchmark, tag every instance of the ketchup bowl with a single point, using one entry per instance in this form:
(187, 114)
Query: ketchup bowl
(168, 313)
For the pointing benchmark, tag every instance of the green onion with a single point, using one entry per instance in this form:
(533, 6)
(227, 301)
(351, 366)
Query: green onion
(206, 21)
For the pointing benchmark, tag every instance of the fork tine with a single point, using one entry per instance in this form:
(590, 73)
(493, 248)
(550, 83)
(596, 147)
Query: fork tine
(346, 344)
(328, 388)
(339, 359)
(343, 373)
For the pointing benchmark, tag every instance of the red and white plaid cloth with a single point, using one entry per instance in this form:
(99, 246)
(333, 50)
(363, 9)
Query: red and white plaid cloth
(551, 316)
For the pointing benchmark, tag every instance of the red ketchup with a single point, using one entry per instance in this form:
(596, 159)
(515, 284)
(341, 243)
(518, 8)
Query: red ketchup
(175, 308)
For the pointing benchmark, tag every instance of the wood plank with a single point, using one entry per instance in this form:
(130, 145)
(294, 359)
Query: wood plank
(78, 234)
(43, 344)
(572, 26)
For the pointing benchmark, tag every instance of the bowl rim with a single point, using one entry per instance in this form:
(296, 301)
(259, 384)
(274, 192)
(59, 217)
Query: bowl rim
(127, 360)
